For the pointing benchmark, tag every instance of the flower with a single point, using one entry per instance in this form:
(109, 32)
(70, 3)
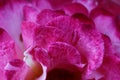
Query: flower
(59, 40)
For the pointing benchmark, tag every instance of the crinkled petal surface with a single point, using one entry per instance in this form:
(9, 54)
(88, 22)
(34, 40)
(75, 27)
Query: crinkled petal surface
(59, 39)
(7, 51)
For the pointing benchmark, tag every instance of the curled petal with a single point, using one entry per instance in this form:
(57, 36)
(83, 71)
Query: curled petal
(27, 33)
(109, 27)
(65, 61)
(47, 15)
(110, 66)
(8, 50)
(91, 45)
(62, 53)
(89, 41)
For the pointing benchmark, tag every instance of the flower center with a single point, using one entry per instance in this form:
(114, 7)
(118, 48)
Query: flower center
(69, 73)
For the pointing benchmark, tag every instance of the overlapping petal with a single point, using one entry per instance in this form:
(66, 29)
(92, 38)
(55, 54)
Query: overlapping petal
(59, 39)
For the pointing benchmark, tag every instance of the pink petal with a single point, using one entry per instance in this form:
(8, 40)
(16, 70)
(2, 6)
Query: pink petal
(89, 4)
(73, 8)
(11, 16)
(91, 45)
(63, 53)
(59, 3)
(30, 13)
(10, 19)
(110, 68)
(16, 69)
(41, 56)
(43, 36)
(110, 6)
(11, 68)
(65, 23)
(62, 56)
(108, 45)
(85, 21)
(7, 50)
(47, 15)
(36, 65)
(116, 1)
(41, 4)
(27, 33)
(109, 26)
(89, 42)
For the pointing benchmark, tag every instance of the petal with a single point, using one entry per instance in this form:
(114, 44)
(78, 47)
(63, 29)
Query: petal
(109, 27)
(8, 50)
(89, 4)
(91, 45)
(27, 33)
(17, 69)
(47, 15)
(43, 36)
(89, 41)
(65, 62)
(36, 68)
(63, 53)
(65, 23)
(110, 5)
(85, 21)
(71, 9)
(10, 19)
(59, 3)
(108, 45)
(110, 66)
(30, 13)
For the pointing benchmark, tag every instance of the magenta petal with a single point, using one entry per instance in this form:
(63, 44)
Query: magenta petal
(41, 4)
(91, 45)
(11, 68)
(109, 26)
(16, 69)
(110, 6)
(108, 48)
(7, 50)
(89, 41)
(47, 15)
(110, 68)
(30, 13)
(85, 21)
(101, 16)
(73, 8)
(62, 42)
(63, 53)
(116, 1)
(41, 55)
(27, 33)
(57, 4)
(43, 36)
(89, 4)
(66, 58)
(11, 18)
(65, 23)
